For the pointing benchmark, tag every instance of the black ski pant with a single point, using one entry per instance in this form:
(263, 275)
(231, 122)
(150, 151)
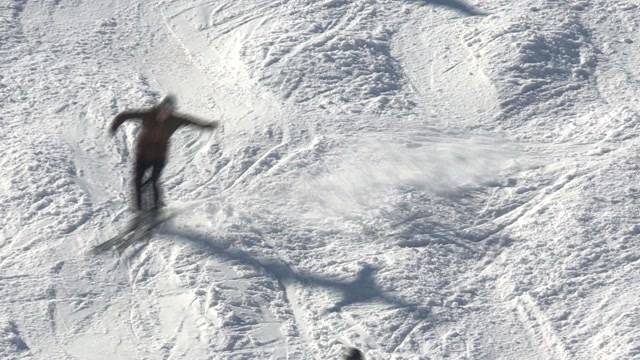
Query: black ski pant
(141, 167)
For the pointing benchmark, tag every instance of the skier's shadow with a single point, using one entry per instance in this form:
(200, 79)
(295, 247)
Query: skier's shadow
(360, 290)
(456, 5)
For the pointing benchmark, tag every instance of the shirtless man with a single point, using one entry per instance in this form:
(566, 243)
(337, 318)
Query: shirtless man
(158, 124)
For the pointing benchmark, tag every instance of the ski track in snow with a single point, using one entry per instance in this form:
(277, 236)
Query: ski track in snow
(420, 180)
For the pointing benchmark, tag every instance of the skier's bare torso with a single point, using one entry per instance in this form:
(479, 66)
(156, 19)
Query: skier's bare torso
(158, 124)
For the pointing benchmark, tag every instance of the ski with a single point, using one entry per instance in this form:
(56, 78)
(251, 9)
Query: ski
(137, 230)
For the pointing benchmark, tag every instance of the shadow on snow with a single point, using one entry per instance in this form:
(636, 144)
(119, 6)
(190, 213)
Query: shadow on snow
(456, 5)
(360, 290)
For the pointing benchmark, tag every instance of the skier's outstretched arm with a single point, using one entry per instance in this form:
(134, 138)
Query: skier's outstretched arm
(124, 116)
(190, 120)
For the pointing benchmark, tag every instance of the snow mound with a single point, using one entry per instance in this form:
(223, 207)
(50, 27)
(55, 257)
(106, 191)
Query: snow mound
(39, 192)
(538, 66)
(334, 54)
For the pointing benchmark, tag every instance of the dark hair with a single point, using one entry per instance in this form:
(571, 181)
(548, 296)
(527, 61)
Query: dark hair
(354, 354)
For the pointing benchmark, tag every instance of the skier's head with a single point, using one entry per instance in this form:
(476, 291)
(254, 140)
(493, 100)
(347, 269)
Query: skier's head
(354, 354)
(168, 103)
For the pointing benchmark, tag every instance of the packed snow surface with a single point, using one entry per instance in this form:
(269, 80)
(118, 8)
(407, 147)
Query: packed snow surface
(417, 179)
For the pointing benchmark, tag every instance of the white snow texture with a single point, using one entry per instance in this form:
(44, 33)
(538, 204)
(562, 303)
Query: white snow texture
(418, 179)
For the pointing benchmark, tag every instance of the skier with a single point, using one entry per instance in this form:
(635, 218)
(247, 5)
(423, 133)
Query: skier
(158, 124)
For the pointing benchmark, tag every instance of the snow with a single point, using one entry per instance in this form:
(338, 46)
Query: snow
(416, 179)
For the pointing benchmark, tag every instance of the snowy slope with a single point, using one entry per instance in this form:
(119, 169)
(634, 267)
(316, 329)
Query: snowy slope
(426, 179)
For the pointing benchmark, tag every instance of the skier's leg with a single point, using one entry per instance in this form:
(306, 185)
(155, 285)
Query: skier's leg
(158, 165)
(139, 170)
